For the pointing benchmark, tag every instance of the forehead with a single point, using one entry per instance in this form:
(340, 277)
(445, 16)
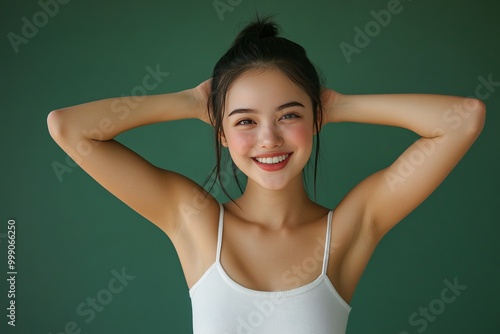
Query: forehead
(261, 89)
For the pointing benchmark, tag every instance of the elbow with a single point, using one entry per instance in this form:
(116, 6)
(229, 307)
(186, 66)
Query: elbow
(477, 112)
(466, 119)
(55, 124)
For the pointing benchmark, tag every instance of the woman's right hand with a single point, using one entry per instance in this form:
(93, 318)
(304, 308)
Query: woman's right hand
(201, 94)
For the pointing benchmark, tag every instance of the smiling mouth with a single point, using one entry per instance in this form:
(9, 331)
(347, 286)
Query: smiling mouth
(272, 160)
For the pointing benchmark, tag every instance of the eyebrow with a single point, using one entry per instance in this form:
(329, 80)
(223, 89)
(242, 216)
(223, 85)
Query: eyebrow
(281, 107)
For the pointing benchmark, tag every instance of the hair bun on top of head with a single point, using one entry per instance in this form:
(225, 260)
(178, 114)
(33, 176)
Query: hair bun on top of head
(259, 29)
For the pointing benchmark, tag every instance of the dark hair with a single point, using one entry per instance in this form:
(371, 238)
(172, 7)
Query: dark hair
(258, 47)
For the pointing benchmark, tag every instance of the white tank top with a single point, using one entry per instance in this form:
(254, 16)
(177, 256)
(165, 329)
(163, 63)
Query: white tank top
(222, 306)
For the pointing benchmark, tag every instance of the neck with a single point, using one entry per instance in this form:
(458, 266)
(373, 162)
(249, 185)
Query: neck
(275, 209)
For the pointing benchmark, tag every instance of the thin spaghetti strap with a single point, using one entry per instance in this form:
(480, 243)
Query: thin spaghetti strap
(219, 235)
(327, 243)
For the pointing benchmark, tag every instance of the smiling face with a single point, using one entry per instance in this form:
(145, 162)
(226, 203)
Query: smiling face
(268, 127)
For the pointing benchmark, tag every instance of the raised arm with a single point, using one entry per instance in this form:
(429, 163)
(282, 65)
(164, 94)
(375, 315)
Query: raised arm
(448, 126)
(86, 133)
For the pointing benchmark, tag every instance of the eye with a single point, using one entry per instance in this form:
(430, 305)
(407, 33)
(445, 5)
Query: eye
(244, 122)
(290, 116)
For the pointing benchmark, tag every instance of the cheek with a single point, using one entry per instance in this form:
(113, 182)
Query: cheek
(300, 134)
(240, 142)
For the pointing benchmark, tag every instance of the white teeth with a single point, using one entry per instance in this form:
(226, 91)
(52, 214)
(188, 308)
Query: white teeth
(273, 160)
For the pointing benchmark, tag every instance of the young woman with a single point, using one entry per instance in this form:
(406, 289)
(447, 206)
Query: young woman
(271, 260)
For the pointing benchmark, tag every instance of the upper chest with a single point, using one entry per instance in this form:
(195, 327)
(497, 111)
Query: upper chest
(274, 260)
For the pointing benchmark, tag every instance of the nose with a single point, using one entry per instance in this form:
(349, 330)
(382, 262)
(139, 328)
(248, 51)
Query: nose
(269, 137)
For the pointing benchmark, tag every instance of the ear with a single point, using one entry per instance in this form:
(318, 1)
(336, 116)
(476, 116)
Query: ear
(315, 132)
(320, 126)
(222, 138)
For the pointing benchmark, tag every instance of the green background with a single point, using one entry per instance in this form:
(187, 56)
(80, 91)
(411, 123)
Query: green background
(71, 233)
